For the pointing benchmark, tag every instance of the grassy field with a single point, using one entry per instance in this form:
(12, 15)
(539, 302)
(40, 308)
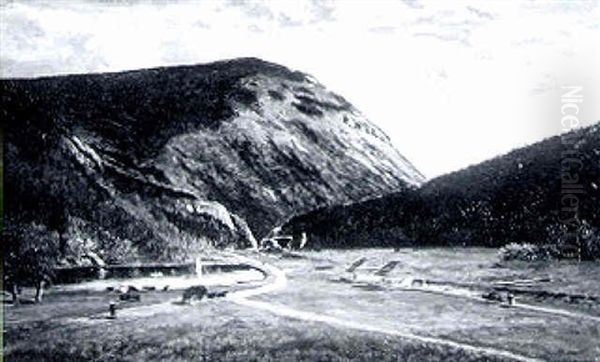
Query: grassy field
(455, 317)
(212, 330)
(71, 326)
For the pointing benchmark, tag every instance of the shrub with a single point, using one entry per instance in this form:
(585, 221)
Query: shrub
(528, 252)
(590, 242)
(583, 244)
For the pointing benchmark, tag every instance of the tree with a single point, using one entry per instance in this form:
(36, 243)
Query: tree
(590, 241)
(30, 254)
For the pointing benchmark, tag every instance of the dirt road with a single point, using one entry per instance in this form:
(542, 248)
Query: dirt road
(278, 280)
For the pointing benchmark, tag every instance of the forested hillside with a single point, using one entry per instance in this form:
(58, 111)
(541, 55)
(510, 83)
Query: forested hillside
(511, 198)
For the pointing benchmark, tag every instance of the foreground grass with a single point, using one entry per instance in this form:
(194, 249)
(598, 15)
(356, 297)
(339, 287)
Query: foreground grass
(212, 330)
(221, 330)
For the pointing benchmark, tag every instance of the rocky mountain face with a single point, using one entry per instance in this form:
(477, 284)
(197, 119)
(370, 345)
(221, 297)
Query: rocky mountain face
(154, 162)
(545, 193)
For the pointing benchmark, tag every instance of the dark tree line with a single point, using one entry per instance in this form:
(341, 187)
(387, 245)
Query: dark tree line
(517, 197)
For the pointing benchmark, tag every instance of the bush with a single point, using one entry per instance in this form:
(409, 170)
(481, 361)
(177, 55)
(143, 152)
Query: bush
(528, 252)
(582, 244)
(590, 242)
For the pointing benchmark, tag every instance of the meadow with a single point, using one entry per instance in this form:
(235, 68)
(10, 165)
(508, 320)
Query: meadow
(323, 312)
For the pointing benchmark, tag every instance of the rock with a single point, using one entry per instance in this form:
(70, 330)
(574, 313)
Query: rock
(195, 293)
(492, 296)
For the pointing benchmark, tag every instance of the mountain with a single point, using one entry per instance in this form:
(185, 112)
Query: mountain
(154, 162)
(527, 195)
(1, 180)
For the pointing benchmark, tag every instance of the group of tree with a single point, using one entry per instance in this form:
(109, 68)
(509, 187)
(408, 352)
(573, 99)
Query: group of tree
(517, 197)
(30, 252)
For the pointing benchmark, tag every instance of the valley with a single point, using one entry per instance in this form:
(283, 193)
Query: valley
(135, 180)
(310, 298)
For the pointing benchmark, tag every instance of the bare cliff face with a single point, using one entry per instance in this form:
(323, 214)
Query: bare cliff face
(170, 159)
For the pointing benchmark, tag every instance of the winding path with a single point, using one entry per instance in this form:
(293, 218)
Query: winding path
(278, 280)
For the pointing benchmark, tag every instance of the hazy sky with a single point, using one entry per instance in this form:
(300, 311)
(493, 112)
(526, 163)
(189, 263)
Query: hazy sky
(452, 83)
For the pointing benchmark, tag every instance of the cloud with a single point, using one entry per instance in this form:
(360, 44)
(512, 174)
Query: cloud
(382, 29)
(200, 24)
(460, 36)
(415, 4)
(285, 21)
(254, 9)
(322, 10)
(480, 13)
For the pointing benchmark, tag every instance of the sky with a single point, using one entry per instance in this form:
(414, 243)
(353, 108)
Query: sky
(451, 83)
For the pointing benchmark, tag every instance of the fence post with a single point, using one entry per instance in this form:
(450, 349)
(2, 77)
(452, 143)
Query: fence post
(112, 310)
